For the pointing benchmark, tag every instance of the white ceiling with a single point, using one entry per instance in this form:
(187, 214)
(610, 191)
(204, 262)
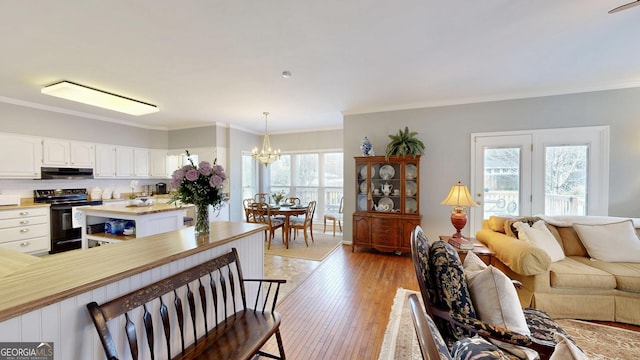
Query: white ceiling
(215, 61)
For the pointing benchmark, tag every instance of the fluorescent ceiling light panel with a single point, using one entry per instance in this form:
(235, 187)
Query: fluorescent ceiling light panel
(86, 95)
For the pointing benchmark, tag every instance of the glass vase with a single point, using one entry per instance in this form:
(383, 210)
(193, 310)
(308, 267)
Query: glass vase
(202, 219)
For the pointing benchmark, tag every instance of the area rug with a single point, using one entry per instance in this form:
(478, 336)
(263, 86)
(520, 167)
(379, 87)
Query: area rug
(400, 341)
(602, 341)
(597, 341)
(323, 245)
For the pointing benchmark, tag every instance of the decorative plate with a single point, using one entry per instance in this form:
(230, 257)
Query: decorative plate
(411, 206)
(411, 188)
(411, 171)
(363, 172)
(385, 204)
(362, 203)
(363, 187)
(387, 172)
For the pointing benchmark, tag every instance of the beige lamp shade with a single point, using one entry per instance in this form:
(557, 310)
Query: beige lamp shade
(459, 196)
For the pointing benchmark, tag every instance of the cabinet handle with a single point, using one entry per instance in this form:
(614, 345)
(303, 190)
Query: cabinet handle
(25, 244)
(24, 230)
(24, 222)
(23, 213)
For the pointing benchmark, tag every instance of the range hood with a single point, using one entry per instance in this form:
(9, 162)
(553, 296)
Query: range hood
(66, 173)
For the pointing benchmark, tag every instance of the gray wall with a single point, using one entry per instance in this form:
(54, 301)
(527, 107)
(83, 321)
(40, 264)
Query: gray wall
(184, 139)
(29, 121)
(446, 133)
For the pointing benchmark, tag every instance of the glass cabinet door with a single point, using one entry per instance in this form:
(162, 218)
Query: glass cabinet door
(386, 188)
(411, 188)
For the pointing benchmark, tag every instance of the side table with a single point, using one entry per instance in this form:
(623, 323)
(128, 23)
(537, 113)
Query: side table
(484, 253)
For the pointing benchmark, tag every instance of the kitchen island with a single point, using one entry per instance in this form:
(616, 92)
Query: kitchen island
(149, 220)
(46, 301)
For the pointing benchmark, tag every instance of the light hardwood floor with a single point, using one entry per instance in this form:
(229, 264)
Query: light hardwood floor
(341, 310)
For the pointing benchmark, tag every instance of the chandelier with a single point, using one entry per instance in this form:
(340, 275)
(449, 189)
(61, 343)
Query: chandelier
(266, 156)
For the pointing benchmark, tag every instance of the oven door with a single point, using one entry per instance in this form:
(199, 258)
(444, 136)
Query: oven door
(63, 236)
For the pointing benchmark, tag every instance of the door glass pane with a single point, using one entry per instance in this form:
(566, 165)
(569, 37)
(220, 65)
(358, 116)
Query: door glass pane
(565, 188)
(333, 181)
(501, 181)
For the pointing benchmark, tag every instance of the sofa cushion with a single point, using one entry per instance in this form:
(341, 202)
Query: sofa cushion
(615, 242)
(496, 223)
(627, 275)
(571, 243)
(476, 348)
(539, 235)
(573, 273)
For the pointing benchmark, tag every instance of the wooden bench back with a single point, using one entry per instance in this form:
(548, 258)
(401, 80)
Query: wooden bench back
(212, 291)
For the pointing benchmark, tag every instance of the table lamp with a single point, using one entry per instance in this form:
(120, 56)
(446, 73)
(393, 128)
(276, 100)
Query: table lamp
(459, 198)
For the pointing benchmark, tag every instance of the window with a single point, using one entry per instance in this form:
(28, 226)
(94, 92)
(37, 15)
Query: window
(249, 176)
(310, 176)
(552, 172)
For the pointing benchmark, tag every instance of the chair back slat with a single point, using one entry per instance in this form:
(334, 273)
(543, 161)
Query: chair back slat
(148, 327)
(166, 326)
(191, 301)
(203, 304)
(177, 303)
(232, 285)
(214, 295)
(130, 329)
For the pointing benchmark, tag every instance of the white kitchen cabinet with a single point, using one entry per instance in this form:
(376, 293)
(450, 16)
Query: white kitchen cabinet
(158, 161)
(59, 152)
(25, 230)
(20, 156)
(141, 162)
(105, 161)
(124, 161)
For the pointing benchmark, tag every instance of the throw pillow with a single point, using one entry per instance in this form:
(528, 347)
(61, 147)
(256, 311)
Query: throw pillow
(511, 230)
(615, 242)
(540, 236)
(567, 350)
(472, 263)
(448, 278)
(496, 301)
(496, 223)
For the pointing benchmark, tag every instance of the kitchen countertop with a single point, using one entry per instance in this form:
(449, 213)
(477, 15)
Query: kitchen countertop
(24, 203)
(61, 276)
(133, 210)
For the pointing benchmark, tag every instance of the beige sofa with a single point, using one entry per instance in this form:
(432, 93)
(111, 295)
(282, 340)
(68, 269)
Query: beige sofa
(574, 287)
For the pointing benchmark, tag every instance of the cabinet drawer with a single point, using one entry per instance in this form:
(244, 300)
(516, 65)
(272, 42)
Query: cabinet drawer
(385, 231)
(24, 212)
(24, 222)
(24, 232)
(33, 245)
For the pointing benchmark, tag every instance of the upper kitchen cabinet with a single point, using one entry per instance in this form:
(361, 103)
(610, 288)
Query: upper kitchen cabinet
(65, 153)
(20, 156)
(141, 162)
(105, 161)
(158, 159)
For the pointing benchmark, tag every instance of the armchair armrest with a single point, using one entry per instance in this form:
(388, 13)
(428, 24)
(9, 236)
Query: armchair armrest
(266, 290)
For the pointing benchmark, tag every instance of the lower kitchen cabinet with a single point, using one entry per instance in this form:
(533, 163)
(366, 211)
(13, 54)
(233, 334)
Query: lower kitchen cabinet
(25, 230)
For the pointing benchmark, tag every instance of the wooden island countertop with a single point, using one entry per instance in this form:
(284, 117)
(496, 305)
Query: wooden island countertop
(133, 210)
(65, 275)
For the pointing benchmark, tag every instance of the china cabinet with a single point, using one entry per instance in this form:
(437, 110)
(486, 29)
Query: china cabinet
(387, 202)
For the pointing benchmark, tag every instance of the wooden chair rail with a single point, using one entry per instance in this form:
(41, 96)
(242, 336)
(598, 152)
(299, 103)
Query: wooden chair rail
(214, 293)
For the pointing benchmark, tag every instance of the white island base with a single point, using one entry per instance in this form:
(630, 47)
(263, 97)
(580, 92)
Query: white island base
(149, 220)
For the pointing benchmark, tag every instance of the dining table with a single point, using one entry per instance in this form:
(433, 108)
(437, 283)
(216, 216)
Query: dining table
(287, 212)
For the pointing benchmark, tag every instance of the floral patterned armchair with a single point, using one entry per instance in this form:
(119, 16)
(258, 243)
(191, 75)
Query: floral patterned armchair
(446, 298)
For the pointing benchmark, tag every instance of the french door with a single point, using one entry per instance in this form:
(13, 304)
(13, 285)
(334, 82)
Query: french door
(501, 181)
(551, 172)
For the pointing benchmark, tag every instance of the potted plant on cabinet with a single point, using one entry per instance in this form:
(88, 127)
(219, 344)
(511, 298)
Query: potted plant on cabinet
(404, 143)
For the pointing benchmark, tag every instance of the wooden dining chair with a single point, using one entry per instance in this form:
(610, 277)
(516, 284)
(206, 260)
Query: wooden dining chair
(262, 198)
(246, 204)
(335, 218)
(261, 214)
(304, 224)
(292, 200)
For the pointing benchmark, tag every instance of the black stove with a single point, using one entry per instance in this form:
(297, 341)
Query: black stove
(63, 235)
